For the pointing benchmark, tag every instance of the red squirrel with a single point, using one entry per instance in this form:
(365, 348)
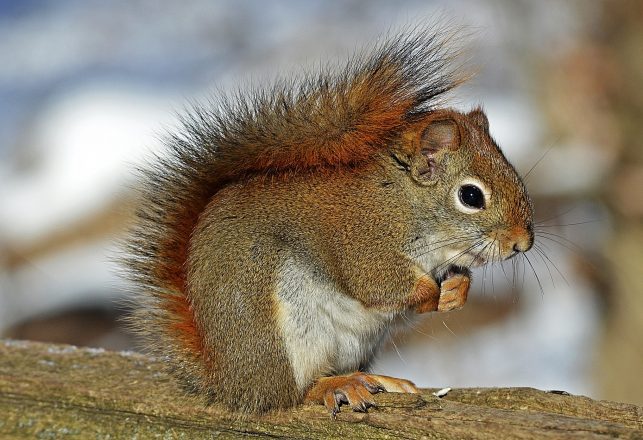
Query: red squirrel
(289, 226)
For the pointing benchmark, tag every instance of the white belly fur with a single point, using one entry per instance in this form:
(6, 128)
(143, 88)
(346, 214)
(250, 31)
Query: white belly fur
(324, 330)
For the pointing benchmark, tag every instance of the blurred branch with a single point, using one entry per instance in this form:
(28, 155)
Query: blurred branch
(110, 220)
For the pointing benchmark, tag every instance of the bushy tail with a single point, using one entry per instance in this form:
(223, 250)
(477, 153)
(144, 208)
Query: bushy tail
(325, 119)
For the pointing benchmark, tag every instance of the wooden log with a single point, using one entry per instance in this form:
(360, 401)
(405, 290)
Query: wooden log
(61, 391)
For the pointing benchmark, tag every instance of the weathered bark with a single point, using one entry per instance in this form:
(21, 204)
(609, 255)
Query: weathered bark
(60, 391)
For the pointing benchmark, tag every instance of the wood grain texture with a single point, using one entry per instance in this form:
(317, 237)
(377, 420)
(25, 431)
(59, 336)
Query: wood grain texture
(63, 392)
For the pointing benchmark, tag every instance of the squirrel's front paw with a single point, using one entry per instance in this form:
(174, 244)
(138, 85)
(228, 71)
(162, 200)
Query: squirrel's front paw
(453, 291)
(355, 390)
(449, 294)
(426, 295)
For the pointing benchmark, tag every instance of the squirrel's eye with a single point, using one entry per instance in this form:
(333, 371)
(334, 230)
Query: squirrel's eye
(471, 196)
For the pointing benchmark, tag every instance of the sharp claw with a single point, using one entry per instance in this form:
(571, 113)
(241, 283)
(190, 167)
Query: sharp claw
(335, 409)
(330, 402)
(372, 388)
(355, 390)
(361, 407)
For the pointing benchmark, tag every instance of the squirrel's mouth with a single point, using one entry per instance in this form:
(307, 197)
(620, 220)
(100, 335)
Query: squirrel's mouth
(451, 271)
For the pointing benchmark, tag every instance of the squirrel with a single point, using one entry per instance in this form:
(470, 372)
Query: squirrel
(288, 227)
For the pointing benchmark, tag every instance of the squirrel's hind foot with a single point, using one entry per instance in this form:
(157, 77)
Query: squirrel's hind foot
(355, 390)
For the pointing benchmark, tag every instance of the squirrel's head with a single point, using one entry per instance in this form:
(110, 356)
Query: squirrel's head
(470, 191)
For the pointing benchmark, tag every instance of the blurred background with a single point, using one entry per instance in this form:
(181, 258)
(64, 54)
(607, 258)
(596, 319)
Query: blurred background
(88, 88)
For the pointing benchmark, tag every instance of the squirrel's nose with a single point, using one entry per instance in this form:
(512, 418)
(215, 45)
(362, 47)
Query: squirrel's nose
(524, 241)
(519, 247)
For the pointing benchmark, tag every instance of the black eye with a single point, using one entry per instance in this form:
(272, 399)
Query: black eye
(471, 196)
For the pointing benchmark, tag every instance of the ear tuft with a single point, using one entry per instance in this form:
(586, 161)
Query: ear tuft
(439, 135)
(478, 116)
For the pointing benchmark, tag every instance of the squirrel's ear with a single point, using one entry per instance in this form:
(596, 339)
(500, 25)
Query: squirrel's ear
(425, 145)
(439, 135)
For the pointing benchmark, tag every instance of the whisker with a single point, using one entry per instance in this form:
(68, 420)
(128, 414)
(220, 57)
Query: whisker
(484, 271)
(489, 246)
(542, 291)
(504, 271)
(502, 264)
(539, 222)
(442, 240)
(524, 179)
(440, 247)
(497, 248)
(447, 327)
(421, 247)
(449, 242)
(478, 255)
(553, 264)
(562, 225)
(513, 276)
(540, 254)
(542, 244)
(450, 260)
(390, 336)
(415, 327)
(570, 245)
(524, 270)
